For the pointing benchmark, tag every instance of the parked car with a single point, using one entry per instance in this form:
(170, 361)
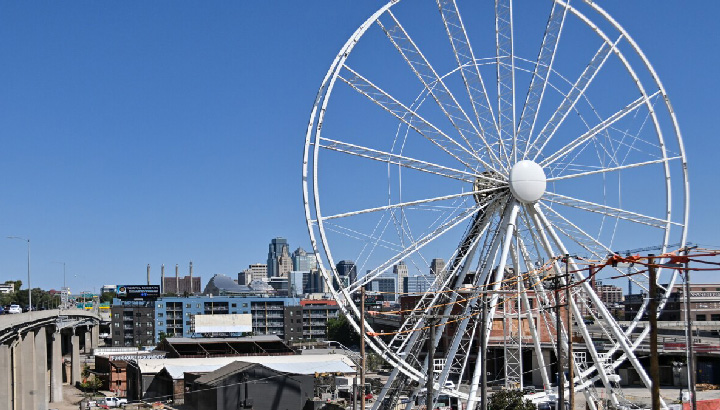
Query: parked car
(112, 402)
(2, 310)
(14, 309)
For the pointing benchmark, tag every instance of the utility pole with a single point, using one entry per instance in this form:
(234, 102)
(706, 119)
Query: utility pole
(571, 375)
(483, 353)
(652, 317)
(558, 334)
(690, 349)
(362, 348)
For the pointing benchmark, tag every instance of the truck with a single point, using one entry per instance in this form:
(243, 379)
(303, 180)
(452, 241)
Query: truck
(108, 402)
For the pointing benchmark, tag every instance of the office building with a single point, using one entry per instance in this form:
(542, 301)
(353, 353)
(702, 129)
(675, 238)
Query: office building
(279, 262)
(347, 269)
(400, 271)
(386, 286)
(436, 266)
(418, 284)
(256, 271)
(303, 261)
(704, 303)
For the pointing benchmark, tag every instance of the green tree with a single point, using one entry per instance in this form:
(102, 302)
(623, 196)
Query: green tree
(373, 361)
(509, 399)
(107, 297)
(339, 330)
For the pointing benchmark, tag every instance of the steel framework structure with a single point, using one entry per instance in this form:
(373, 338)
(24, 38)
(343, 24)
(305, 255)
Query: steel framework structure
(419, 146)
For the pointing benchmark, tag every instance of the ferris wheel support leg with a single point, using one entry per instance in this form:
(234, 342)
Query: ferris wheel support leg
(536, 216)
(614, 328)
(531, 323)
(487, 326)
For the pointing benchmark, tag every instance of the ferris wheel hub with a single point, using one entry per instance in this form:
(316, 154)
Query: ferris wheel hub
(527, 181)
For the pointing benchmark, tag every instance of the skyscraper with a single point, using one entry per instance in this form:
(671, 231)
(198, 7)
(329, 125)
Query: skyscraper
(304, 261)
(400, 271)
(279, 262)
(347, 270)
(436, 266)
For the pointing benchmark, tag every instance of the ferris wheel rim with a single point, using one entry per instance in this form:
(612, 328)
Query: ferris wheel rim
(319, 110)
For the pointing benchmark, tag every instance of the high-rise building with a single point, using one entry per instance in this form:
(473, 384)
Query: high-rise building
(436, 266)
(279, 262)
(418, 284)
(400, 271)
(386, 286)
(256, 271)
(304, 261)
(314, 282)
(347, 269)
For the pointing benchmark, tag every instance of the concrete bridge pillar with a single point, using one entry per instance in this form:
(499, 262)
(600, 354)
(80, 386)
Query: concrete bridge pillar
(95, 338)
(56, 369)
(6, 385)
(87, 345)
(40, 374)
(74, 360)
(24, 363)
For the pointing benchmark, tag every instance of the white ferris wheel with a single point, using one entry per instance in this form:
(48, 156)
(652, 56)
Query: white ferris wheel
(497, 137)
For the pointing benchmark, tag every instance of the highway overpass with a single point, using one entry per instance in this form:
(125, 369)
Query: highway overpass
(35, 349)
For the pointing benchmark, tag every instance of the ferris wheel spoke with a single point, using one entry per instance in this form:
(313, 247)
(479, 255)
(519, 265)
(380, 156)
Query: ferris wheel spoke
(395, 159)
(541, 74)
(579, 236)
(415, 246)
(430, 79)
(413, 120)
(613, 169)
(408, 204)
(608, 211)
(571, 99)
(505, 62)
(592, 133)
(470, 72)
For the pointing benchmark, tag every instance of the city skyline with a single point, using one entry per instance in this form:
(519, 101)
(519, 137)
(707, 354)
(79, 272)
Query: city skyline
(132, 139)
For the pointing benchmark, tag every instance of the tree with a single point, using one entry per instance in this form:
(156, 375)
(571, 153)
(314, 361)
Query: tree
(509, 399)
(107, 297)
(339, 330)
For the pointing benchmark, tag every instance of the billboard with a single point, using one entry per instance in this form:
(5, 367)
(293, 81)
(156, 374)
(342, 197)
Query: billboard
(233, 323)
(138, 291)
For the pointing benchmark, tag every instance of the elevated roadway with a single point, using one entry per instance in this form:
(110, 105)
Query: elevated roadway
(35, 348)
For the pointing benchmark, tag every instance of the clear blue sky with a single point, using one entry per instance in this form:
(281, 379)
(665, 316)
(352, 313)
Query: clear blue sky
(164, 132)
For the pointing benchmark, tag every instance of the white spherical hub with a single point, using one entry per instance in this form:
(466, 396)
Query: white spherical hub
(527, 181)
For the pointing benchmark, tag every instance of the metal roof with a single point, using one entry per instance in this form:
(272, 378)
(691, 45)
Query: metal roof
(299, 364)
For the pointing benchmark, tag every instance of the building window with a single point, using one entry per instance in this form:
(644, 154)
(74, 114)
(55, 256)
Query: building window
(715, 317)
(160, 315)
(160, 305)
(198, 306)
(244, 304)
(188, 323)
(161, 323)
(701, 318)
(234, 305)
(188, 305)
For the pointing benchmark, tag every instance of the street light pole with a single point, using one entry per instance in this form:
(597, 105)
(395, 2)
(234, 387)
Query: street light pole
(28, 266)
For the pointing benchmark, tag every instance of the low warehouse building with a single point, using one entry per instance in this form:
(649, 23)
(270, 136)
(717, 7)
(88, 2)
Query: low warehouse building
(242, 385)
